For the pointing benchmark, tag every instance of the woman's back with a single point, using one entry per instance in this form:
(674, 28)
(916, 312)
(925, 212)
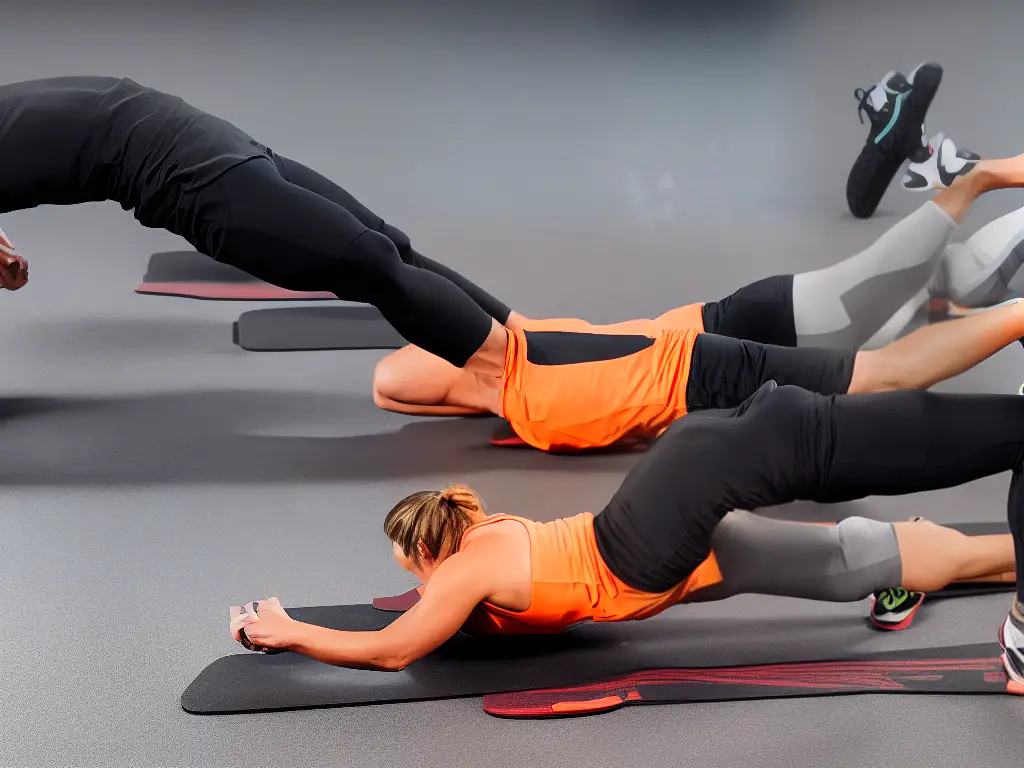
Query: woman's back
(570, 582)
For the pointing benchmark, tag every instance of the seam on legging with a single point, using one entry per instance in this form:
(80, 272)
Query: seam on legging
(354, 239)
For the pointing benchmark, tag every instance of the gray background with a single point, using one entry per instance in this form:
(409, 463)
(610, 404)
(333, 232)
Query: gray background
(608, 160)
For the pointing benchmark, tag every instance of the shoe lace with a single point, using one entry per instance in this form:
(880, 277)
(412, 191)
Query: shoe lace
(892, 597)
(862, 102)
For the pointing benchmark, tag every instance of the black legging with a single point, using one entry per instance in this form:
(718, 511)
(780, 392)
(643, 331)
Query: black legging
(795, 445)
(290, 226)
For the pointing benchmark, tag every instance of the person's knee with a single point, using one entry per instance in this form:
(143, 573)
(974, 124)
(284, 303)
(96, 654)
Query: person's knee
(371, 264)
(784, 404)
(401, 241)
(868, 559)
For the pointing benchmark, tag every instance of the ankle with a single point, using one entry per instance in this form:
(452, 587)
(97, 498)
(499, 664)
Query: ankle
(1017, 614)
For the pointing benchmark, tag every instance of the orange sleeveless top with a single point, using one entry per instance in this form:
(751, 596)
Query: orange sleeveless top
(598, 403)
(571, 583)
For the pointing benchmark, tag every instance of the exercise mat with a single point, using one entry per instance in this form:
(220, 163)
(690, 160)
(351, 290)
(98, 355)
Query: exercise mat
(464, 666)
(191, 275)
(306, 329)
(956, 670)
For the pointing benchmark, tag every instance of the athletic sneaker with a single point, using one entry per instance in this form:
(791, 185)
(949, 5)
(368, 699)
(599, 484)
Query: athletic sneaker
(1011, 638)
(896, 107)
(894, 608)
(944, 163)
(883, 106)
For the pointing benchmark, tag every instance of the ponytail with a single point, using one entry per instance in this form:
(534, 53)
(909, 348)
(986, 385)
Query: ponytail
(438, 519)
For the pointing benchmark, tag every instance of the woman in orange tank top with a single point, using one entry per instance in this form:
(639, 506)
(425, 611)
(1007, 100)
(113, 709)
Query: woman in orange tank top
(569, 385)
(796, 329)
(670, 534)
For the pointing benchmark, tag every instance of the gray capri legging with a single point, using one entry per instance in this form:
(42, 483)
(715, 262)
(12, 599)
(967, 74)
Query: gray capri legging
(835, 563)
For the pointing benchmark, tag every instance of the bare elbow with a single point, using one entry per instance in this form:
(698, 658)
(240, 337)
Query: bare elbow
(383, 385)
(394, 662)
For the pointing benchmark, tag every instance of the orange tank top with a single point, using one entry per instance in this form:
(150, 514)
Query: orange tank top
(598, 403)
(571, 583)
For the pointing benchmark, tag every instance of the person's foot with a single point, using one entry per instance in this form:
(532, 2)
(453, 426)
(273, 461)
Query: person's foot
(894, 608)
(896, 108)
(1011, 639)
(944, 163)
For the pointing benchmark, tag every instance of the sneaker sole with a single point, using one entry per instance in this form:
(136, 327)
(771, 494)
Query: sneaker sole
(1012, 686)
(903, 624)
(926, 84)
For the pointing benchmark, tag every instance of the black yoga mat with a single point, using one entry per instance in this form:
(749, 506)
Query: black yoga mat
(188, 274)
(959, 670)
(464, 666)
(304, 329)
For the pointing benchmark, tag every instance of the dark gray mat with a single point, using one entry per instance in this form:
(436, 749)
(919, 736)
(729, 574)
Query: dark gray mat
(192, 267)
(464, 666)
(303, 329)
(966, 670)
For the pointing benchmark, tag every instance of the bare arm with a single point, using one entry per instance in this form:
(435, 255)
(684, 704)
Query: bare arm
(415, 382)
(452, 593)
(415, 409)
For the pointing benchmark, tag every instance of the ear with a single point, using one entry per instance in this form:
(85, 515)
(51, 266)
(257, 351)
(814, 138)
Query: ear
(423, 554)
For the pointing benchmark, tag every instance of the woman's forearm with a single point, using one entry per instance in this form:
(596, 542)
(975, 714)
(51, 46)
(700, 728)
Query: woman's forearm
(357, 650)
(413, 409)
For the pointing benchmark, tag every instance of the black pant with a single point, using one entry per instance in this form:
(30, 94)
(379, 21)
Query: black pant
(291, 227)
(725, 371)
(795, 445)
(761, 311)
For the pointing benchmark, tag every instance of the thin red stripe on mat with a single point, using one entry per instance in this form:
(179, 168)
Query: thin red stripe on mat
(231, 292)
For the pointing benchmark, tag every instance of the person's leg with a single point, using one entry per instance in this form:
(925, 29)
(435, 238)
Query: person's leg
(895, 443)
(846, 305)
(985, 269)
(934, 556)
(794, 446)
(761, 311)
(847, 561)
(253, 219)
(843, 306)
(937, 352)
(725, 371)
(307, 178)
(657, 528)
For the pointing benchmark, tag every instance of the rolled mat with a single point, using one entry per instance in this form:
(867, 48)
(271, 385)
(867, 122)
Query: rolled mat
(467, 666)
(191, 275)
(308, 329)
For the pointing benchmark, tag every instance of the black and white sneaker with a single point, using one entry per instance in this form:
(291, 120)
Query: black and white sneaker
(896, 108)
(1011, 639)
(944, 163)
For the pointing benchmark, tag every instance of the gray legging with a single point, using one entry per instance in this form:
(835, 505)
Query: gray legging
(834, 563)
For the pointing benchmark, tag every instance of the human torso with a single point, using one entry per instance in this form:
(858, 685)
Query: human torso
(570, 385)
(570, 582)
(79, 139)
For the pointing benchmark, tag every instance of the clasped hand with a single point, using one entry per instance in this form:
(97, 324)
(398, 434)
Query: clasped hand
(262, 625)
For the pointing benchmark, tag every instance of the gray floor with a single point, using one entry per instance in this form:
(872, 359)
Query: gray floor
(602, 159)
